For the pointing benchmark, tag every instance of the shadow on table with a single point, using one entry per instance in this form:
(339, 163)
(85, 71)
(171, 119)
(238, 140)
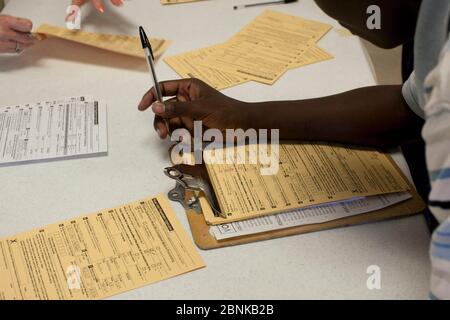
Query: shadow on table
(109, 22)
(59, 49)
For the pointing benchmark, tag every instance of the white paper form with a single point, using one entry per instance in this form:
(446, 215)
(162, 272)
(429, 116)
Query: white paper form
(310, 215)
(53, 129)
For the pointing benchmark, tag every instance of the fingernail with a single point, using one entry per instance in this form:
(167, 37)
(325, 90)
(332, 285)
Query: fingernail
(121, 3)
(161, 133)
(101, 9)
(158, 131)
(158, 107)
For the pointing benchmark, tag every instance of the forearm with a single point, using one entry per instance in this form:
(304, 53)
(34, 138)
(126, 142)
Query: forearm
(372, 116)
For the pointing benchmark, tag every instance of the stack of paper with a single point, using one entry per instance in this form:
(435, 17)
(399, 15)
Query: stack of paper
(310, 215)
(53, 129)
(262, 51)
(314, 183)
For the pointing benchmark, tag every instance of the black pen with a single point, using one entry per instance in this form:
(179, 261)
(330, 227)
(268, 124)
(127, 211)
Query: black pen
(263, 4)
(151, 65)
(150, 60)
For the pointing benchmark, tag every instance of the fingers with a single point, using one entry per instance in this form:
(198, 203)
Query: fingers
(179, 111)
(14, 33)
(20, 24)
(165, 127)
(168, 89)
(98, 4)
(78, 2)
(160, 127)
(174, 124)
(16, 29)
(117, 3)
(174, 109)
(10, 46)
(7, 47)
(15, 36)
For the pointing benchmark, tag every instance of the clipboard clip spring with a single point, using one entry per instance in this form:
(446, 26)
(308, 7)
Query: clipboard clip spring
(186, 182)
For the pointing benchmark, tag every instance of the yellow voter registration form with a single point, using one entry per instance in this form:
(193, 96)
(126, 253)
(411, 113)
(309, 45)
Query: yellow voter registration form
(308, 174)
(189, 65)
(122, 44)
(97, 255)
(270, 45)
(267, 47)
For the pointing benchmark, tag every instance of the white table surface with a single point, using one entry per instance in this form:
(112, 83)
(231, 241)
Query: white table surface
(328, 264)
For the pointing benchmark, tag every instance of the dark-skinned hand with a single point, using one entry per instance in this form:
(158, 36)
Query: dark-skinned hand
(193, 100)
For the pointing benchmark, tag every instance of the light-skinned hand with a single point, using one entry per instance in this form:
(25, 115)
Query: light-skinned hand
(14, 34)
(98, 4)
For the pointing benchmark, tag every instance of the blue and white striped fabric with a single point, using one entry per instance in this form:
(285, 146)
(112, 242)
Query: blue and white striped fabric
(427, 92)
(436, 133)
(440, 262)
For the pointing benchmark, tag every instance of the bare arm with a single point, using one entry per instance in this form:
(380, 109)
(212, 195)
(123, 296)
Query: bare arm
(371, 116)
(375, 116)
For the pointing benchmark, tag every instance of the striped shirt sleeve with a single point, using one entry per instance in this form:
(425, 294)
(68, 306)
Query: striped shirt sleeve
(410, 92)
(436, 133)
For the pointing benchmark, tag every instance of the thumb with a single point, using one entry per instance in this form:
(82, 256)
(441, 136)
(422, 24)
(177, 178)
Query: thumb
(98, 4)
(175, 108)
(20, 24)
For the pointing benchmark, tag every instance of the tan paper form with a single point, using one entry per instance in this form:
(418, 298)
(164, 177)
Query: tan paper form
(262, 51)
(126, 45)
(188, 65)
(97, 255)
(267, 47)
(311, 55)
(309, 174)
(249, 61)
(191, 65)
(276, 30)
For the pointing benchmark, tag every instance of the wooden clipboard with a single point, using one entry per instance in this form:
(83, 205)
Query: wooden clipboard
(205, 240)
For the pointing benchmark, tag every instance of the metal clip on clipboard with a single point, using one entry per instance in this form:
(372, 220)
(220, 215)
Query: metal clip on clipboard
(186, 182)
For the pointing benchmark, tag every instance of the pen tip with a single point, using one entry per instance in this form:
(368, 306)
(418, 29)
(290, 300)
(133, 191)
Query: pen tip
(143, 37)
